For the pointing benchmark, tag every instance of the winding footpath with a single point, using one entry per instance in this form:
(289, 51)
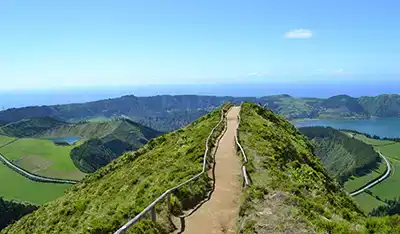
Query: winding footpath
(377, 181)
(218, 215)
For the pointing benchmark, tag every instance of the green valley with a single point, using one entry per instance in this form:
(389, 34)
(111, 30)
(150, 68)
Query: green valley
(16, 187)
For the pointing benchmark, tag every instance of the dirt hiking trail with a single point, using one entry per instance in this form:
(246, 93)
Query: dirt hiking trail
(218, 215)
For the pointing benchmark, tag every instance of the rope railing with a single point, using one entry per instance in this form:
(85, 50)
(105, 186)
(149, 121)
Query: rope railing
(244, 171)
(151, 207)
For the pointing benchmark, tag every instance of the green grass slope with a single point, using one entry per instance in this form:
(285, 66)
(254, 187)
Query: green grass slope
(105, 200)
(340, 154)
(30, 126)
(291, 192)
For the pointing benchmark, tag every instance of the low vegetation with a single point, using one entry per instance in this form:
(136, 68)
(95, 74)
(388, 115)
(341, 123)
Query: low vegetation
(108, 198)
(391, 207)
(342, 155)
(12, 211)
(291, 192)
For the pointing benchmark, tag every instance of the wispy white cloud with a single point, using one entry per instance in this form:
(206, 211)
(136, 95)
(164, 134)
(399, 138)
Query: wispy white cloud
(340, 72)
(298, 34)
(256, 74)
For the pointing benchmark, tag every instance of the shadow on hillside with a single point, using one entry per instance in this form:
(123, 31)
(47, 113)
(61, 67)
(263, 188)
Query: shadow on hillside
(367, 169)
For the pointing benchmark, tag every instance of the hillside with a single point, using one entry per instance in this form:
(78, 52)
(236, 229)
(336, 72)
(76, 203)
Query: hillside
(163, 113)
(105, 200)
(342, 155)
(103, 141)
(382, 105)
(123, 129)
(30, 126)
(166, 113)
(291, 192)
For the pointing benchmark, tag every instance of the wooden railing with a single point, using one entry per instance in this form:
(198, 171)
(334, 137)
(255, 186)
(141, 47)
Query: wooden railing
(152, 207)
(246, 180)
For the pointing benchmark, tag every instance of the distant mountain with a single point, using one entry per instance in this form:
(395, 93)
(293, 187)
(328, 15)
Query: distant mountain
(167, 113)
(163, 113)
(342, 155)
(30, 126)
(336, 107)
(382, 105)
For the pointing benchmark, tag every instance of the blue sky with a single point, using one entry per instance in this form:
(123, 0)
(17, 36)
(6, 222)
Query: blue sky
(48, 44)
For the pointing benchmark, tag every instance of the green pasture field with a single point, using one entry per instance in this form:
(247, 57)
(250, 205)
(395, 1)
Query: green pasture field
(42, 157)
(386, 190)
(357, 182)
(14, 186)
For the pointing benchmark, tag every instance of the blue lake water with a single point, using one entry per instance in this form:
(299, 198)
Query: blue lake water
(70, 140)
(383, 127)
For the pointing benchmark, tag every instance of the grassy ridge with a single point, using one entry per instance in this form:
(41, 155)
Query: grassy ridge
(90, 130)
(105, 200)
(291, 192)
(29, 127)
(288, 179)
